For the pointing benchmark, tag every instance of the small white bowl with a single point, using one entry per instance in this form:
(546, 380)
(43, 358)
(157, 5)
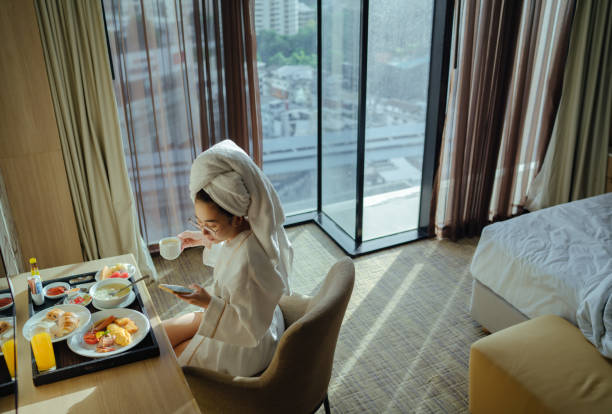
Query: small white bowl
(85, 299)
(8, 305)
(110, 302)
(56, 284)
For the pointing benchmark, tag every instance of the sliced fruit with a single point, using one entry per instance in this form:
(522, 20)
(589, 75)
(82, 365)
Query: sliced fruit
(105, 273)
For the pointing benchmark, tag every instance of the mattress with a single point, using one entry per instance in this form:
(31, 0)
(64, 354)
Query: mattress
(548, 261)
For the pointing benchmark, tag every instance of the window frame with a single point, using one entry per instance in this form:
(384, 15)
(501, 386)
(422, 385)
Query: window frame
(442, 23)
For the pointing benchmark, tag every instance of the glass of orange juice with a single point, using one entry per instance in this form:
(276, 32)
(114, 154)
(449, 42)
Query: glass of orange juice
(8, 349)
(43, 351)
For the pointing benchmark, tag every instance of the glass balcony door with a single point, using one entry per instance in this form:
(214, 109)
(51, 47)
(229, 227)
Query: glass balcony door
(380, 78)
(340, 59)
(399, 52)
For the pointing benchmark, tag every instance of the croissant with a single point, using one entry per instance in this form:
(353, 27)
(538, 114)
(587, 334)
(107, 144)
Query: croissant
(56, 314)
(66, 324)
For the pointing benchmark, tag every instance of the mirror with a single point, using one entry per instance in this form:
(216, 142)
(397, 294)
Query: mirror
(8, 360)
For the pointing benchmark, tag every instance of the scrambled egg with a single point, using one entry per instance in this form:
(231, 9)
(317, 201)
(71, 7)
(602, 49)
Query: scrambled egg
(127, 324)
(122, 337)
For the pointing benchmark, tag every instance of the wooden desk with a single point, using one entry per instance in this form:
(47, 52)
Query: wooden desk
(155, 385)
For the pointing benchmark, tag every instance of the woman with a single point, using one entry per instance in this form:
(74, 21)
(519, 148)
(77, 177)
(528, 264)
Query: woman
(241, 323)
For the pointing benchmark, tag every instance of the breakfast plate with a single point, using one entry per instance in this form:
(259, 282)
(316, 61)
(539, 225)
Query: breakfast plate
(127, 302)
(82, 314)
(78, 345)
(2, 298)
(51, 288)
(130, 269)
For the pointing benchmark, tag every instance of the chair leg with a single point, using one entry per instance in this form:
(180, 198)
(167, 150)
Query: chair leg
(326, 404)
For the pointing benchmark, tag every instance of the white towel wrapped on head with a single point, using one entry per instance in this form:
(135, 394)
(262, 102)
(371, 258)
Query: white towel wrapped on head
(236, 184)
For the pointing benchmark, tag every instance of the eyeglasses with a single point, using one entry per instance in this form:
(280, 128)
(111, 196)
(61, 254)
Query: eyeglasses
(194, 222)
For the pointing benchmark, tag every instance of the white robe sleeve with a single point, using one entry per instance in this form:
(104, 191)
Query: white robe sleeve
(253, 291)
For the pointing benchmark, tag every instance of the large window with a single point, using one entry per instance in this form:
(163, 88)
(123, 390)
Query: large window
(153, 49)
(287, 66)
(399, 47)
(360, 159)
(351, 93)
(340, 93)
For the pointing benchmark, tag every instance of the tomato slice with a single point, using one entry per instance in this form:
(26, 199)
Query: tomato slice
(90, 338)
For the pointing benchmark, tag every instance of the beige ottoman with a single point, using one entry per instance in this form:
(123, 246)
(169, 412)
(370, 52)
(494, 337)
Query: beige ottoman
(544, 365)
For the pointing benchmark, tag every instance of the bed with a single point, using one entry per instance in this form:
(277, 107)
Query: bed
(552, 261)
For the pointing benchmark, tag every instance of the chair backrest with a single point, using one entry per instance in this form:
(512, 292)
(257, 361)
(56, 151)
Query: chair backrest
(302, 365)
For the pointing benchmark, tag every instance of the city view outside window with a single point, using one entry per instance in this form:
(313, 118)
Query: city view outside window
(399, 47)
(399, 42)
(286, 32)
(340, 84)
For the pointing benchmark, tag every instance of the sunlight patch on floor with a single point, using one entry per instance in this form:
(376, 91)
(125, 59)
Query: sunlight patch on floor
(424, 348)
(363, 285)
(380, 320)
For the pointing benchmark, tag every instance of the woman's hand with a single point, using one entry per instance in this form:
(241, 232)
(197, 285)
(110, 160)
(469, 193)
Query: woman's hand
(191, 238)
(200, 297)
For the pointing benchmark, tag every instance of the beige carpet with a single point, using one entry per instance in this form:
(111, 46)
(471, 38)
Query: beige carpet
(404, 344)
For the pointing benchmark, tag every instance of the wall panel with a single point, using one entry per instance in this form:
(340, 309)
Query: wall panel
(31, 160)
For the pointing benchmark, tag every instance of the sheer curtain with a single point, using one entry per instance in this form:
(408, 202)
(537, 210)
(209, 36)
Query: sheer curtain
(505, 84)
(74, 44)
(155, 80)
(185, 78)
(575, 163)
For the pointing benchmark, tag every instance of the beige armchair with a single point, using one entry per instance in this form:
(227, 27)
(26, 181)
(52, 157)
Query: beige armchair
(297, 378)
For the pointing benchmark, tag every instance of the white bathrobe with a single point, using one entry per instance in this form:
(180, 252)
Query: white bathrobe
(243, 323)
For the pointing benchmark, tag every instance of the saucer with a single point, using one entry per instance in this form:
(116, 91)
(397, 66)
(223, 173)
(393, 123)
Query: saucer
(127, 302)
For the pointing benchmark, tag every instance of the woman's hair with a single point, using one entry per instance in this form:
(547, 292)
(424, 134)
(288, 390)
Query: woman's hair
(204, 197)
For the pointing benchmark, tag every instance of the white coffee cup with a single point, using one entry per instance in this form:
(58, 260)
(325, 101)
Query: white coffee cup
(170, 247)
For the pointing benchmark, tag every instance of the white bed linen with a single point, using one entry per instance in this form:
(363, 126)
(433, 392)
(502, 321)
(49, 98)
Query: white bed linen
(555, 261)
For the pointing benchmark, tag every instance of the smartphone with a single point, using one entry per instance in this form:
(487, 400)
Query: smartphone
(181, 290)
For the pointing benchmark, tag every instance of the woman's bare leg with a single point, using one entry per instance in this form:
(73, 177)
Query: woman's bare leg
(181, 328)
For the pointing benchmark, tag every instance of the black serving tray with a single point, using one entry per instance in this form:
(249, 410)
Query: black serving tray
(71, 365)
(7, 384)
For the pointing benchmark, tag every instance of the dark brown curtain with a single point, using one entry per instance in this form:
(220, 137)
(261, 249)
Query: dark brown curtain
(504, 90)
(227, 74)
